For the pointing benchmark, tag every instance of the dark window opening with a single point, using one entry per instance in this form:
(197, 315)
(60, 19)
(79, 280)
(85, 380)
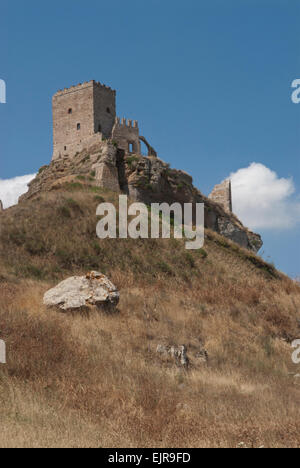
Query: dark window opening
(70, 111)
(65, 148)
(99, 128)
(108, 110)
(78, 126)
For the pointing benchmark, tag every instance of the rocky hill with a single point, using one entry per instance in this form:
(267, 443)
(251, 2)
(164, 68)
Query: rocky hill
(146, 179)
(121, 379)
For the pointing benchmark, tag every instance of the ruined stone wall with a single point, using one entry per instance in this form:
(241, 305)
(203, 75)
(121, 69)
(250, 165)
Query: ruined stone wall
(126, 134)
(222, 194)
(106, 171)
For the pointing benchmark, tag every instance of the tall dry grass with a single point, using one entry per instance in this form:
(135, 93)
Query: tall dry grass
(81, 381)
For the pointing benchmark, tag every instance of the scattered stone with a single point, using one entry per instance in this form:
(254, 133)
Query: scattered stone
(242, 445)
(202, 355)
(297, 379)
(81, 292)
(178, 353)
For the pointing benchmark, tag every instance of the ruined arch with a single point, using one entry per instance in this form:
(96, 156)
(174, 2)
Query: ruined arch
(151, 150)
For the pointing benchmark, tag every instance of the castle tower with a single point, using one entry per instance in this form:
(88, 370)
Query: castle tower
(82, 115)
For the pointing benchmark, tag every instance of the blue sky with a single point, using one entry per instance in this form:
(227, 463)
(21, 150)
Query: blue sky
(209, 82)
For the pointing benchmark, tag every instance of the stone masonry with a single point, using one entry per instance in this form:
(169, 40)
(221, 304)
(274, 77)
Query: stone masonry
(222, 194)
(126, 134)
(85, 115)
(82, 116)
(106, 171)
(87, 131)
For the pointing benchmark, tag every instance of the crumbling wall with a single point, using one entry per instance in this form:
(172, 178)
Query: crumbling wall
(151, 150)
(222, 194)
(126, 134)
(106, 168)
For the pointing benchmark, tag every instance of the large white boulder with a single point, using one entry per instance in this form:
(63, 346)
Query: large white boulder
(77, 292)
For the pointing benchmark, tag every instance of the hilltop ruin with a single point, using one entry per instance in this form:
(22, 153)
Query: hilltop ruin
(91, 143)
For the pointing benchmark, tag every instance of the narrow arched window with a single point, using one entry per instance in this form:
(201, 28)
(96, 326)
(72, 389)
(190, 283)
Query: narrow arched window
(78, 126)
(108, 110)
(70, 111)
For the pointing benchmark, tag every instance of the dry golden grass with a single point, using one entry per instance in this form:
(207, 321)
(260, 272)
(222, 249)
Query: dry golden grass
(82, 381)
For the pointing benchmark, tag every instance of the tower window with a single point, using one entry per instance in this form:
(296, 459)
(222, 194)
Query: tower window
(78, 126)
(99, 128)
(130, 147)
(65, 148)
(70, 111)
(108, 110)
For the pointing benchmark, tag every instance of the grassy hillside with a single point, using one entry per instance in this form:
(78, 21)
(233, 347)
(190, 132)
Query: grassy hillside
(74, 380)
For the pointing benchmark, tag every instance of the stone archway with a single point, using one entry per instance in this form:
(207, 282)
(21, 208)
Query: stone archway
(151, 150)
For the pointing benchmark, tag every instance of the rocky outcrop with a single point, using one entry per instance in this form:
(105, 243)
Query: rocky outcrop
(151, 180)
(83, 292)
(178, 353)
(144, 179)
(106, 172)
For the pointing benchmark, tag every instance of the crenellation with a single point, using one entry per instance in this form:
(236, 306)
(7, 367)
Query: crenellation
(83, 85)
(127, 123)
(86, 113)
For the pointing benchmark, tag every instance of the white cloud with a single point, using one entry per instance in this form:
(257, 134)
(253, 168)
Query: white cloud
(262, 200)
(12, 189)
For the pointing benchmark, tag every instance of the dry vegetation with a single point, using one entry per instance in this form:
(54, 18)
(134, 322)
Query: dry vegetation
(96, 380)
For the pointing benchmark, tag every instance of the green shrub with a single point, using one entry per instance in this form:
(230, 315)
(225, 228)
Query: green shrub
(202, 252)
(190, 260)
(99, 199)
(64, 212)
(42, 169)
(165, 268)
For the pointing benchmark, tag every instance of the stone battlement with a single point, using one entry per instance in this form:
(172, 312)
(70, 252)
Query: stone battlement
(87, 112)
(126, 123)
(81, 86)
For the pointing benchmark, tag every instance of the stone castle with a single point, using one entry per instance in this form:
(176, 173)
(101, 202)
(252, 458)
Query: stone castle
(92, 148)
(85, 115)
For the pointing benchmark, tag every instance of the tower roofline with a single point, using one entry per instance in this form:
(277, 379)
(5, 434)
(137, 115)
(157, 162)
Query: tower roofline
(80, 86)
